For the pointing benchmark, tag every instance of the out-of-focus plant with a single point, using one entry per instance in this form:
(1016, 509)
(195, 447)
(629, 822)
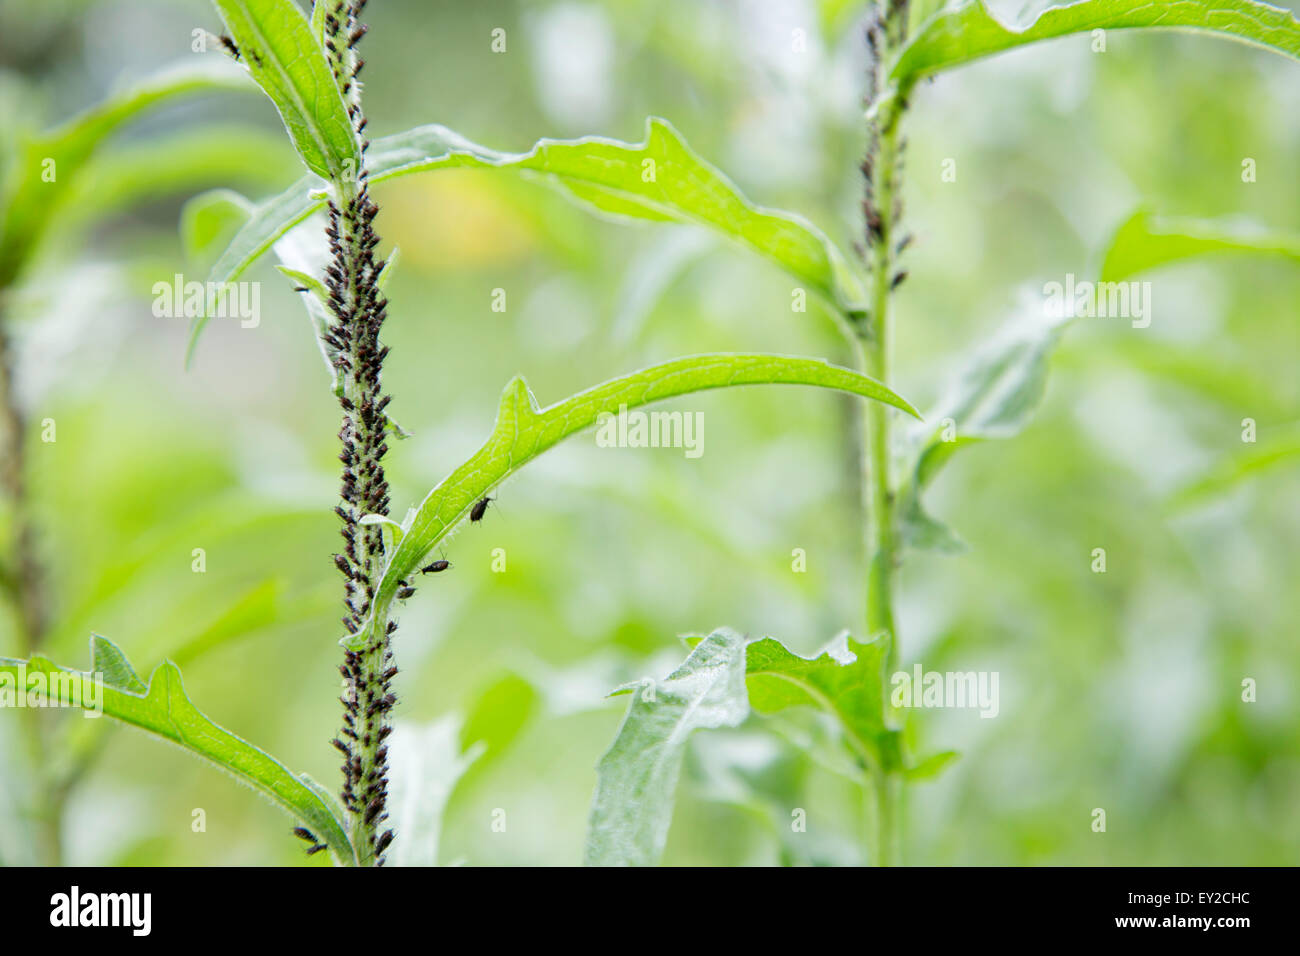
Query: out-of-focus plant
(309, 70)
(726, 675)
(64, 180)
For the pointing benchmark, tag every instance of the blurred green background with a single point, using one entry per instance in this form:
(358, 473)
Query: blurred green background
(1120, 691)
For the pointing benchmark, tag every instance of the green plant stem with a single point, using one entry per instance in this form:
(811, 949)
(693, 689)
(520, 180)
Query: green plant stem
(886, 789)
(358, 308)
(25, 583)
(873, 335)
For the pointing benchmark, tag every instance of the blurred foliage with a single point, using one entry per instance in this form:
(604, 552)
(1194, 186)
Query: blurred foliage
(1119, 690)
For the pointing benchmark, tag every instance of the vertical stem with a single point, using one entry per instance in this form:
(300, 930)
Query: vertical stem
(27, 576)
(358, 309)
(25, 580)
(875, 344)
(881, 208)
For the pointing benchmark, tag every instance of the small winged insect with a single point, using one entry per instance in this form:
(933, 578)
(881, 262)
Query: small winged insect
(435, 567)
(480, 508)
(229, 45)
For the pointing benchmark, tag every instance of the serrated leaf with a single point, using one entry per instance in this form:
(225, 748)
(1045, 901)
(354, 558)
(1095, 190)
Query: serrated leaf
(602, 173)
(276, 42)
(32, 199)
(968, 32)
(845, 680)
(1146, 241)
(637, 777)
(523, 431)
(163, 709)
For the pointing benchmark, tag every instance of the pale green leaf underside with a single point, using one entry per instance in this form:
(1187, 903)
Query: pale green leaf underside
(276, 42)
(1146, 241)
(523, 431)
(637, 777)
(427, 763)
(968, 32)
(162, 708)
(602, 173)
(718, 684)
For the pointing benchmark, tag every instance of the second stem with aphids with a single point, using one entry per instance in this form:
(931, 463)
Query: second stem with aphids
(882, 208)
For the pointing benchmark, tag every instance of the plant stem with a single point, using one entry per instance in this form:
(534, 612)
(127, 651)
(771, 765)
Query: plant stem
(358, 309)
(24, 580)
(882, 208)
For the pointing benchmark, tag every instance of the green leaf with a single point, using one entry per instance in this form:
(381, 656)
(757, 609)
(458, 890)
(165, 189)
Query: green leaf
(931, 766)
(994, 397)
(178, 164)
(602, 173)
(523, 431)
(257, 608)
(845, 680)
(968, 32)
(31, 199)
(1146, 241)
(276, 42)
(499, 714)
(1275, 447)
(162, 708)
(210, 219)
(718, 684)
(637, 777)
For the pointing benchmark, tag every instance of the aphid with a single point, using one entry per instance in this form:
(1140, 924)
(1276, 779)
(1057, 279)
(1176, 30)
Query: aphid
(316, 849)
(230, 46)
(404, 593)
(302, 833)
(435, 567)
(480, 508)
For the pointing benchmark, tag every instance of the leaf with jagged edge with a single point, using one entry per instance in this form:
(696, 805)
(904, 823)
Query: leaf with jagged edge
(967, 32)
(604, 174)
(1146, 241)
(523, 431)
(31, 199)
(846, 680)
(275, 42)
(162, 708)
(720, 682)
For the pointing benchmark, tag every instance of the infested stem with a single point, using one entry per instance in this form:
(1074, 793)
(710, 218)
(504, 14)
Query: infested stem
(882, 209)
(24, 580)
(24, 577)
(358, 310)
